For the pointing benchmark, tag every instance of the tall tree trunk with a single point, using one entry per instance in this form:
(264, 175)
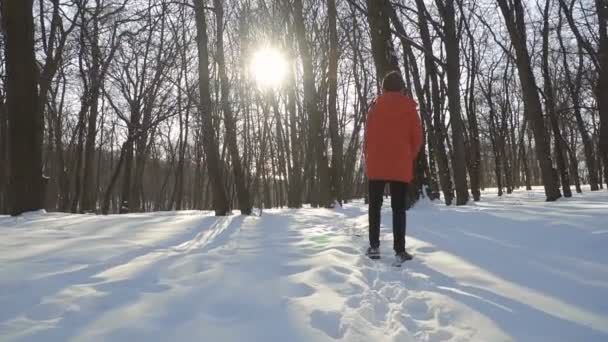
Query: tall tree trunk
(142, 150)
(88, 202)
(210, 144)
(77, 170)
(89, 192)
(574, 161)
(514, 123)
(423, 175)
(427, 125)
(550, 107)
(574, 92)
(336, 140)
(281, 145)
(602, 85)
(63, 182)
(229, 121)
(184, 125)
(474, 145)
(524, 159)
(126, 200)
(445, 178)
(295, 178)
(514, 19)
(495, 136)
(107, 198)
(4, 160)
(315, 117)
(26, 123)
(452, 48)
(383, 51)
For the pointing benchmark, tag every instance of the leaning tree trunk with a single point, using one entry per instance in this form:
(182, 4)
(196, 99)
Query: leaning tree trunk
(514, 18)
(25, 125)
(210, 143)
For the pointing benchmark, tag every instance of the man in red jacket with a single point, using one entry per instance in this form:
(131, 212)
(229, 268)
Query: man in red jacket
(393, 137)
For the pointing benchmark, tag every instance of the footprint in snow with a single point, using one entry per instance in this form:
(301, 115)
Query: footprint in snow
(418, 309)
(329, 322)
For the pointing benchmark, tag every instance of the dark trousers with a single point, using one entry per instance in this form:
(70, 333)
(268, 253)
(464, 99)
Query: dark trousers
(398, 196)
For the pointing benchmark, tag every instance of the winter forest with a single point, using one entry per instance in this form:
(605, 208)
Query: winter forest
(115, 106)
(134, 132)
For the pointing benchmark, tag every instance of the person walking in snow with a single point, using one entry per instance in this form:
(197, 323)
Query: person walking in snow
(393, 137)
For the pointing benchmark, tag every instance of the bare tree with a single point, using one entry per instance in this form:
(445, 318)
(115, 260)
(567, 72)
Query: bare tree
(317, 154)
(513, 13)
(550, 106)
(336, 140)
(229, 121)
(210, 143)
(452, 48)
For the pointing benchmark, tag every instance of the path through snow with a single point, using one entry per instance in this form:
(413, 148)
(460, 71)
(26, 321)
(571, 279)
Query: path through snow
(514, 268)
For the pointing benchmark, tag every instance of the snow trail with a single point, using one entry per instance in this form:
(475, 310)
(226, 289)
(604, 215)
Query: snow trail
(512, 268)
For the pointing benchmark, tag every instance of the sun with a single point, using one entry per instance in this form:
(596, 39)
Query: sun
(268, 67)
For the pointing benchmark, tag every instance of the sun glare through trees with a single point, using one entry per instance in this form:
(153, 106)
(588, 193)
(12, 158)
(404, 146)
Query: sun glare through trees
(268, 67)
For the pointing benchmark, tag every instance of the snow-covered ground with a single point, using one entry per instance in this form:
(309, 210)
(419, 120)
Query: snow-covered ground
(511, 268)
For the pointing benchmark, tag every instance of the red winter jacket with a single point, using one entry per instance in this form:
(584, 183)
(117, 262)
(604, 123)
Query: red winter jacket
(393, 137)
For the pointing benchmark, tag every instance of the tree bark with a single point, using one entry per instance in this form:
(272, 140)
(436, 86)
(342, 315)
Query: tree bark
(336, 141)
(514, 18)
(243, 196)
(471, 108)
(445, 178)
(602, 85)
(295, 178)
(550, 107)
(4, 160)
(26, 124)
(423, 175)
(574, 92)
(210, 144)
(97, 72)
(315, 117)
(383, 51)
(452, 49)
